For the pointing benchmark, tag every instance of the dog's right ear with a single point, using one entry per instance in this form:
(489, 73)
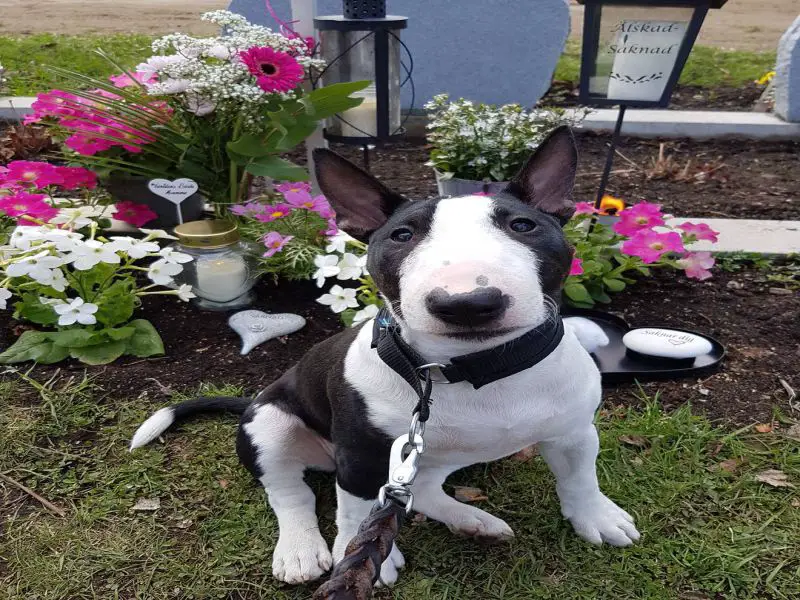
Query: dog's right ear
(362, 203)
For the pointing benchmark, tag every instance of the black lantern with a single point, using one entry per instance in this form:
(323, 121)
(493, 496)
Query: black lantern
(633, 54)
(634, 50)
(364, 44)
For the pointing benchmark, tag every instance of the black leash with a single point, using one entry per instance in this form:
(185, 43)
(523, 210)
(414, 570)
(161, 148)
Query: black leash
(355, 575)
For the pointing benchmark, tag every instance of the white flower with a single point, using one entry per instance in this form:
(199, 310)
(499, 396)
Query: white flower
(23, 235)
(184, 292)
(327, 266)
(169, 87)
(170, 255)
(82, 216)
(339, 299)
(365, 314)
(92, 252)
(156, 234)
(161, 272)
(132, 247)
(154, 64)
(55, 279)
(4, 296)
(219, 51)
(351, 266)
(51, 301)
(38, 267)
(198, 105)
(76, 311)
(338, 243)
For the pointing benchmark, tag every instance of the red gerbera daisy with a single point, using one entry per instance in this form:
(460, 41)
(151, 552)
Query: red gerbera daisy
(274, 71)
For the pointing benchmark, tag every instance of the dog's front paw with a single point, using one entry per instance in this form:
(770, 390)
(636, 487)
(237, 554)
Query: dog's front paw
(390, 568)
(300, 557)
(599, 520)
(474, 522)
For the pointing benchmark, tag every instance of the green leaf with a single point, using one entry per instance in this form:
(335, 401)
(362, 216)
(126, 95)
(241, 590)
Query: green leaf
(31, 309)
(296, 134)
(329, 100)
(577, 292)
(94, 279)
(75, 338)
(251, 146)
(614, 285)
(99, 354)
(121, 333)
(116, 303)
(277, 168)
(145, 341)
(31, 345)
(53, 355)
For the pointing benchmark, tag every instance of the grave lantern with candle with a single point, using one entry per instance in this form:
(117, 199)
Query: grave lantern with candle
(364, 44)
(224, 269)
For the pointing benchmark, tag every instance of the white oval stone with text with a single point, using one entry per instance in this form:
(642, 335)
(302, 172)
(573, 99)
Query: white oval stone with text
(666, 343)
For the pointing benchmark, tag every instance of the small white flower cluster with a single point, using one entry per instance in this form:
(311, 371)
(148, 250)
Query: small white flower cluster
(344, 266)
(49, 257)
(486, 142)
(208, 73)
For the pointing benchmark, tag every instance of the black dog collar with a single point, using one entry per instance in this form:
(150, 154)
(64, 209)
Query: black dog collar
(478, 368)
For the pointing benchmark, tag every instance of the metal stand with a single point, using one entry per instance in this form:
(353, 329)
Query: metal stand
(365, 149)
(601, 191)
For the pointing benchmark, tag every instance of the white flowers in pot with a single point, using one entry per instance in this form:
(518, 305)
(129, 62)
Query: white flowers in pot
(484, 144)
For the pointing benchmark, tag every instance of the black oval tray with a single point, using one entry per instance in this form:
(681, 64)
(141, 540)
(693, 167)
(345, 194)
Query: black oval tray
(617, 366)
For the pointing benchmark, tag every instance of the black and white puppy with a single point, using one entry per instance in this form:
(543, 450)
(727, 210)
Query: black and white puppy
(340, 407)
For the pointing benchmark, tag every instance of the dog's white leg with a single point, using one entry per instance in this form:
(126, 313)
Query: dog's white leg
(431, 500)
(285, 448)
(350, 511)
(594, 517)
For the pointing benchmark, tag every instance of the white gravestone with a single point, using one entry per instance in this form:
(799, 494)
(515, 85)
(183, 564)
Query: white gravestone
(787, 74)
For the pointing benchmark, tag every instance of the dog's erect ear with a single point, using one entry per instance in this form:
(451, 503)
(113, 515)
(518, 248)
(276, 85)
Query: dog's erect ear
(547, 178)
(362, 203)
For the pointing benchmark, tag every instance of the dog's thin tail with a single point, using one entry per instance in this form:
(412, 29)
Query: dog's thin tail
(589, 334)
(163, 419)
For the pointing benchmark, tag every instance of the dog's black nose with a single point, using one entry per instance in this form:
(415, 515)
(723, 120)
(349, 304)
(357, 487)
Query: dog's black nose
(478, 307)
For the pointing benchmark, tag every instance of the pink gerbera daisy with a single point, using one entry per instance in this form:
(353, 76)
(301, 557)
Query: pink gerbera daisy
(274, 71)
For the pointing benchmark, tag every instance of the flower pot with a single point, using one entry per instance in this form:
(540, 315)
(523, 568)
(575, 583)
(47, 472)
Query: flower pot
(134, 189)
(454, 186)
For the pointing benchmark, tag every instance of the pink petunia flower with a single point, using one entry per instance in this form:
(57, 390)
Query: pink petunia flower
(577, 266)
(274, 242)
(124, 80)
(638, 217)
(23, 204)
(133, 213)
(650, 245)
(698, 231)
(32, 173)
(697, 265)
(274, 212)
(274, 71)
(585, 208)
(87, 144)
(77, 177)
(55, 103)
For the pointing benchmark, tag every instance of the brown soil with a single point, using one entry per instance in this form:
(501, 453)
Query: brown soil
(741, 24)
(759, 326)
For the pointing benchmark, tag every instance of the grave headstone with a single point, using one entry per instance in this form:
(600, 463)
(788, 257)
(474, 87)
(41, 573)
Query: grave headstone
(787, 74)
(496, 51)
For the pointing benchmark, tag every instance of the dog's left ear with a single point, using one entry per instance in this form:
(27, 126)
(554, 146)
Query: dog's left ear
(546, 180)
(362, 203)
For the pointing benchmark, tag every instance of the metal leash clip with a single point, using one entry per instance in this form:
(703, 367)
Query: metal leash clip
(404, 466)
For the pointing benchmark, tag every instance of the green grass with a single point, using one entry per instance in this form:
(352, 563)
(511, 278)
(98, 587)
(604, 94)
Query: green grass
(707, 533)
(25, 59)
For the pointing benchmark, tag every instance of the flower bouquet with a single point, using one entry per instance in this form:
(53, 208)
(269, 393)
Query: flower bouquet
(217, 110)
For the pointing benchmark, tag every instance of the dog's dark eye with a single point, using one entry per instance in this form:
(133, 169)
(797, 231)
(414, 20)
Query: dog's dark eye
(522, 225)
(402, 235)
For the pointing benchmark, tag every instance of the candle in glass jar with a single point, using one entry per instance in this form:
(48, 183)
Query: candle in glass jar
(362, 120)
(221, 279)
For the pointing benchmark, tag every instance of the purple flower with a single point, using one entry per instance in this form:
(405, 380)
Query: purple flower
(274, 242)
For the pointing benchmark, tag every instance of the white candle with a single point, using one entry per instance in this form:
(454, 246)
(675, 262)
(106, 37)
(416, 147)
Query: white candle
(362, 120)
(221, 279)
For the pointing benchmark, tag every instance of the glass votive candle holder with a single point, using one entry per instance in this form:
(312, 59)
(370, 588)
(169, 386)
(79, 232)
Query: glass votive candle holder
(224, 269)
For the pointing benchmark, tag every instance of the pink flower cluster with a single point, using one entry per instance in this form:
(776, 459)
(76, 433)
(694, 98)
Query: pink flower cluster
(21, 179)
(93, 125)
(296, 196)
(133, 213)
(638, 223)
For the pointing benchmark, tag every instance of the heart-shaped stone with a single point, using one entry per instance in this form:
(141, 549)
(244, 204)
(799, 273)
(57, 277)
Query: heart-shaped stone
(175, 191)
(256, 327)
